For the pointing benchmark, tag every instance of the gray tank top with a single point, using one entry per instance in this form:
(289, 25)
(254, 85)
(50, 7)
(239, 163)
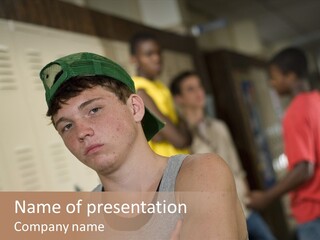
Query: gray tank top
(170, 174)
(160, 226)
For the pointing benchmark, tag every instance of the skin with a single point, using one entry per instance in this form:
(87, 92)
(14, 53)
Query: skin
(191, 99)
(286, 85)
(93, 124)
(84, 129)
(206, 185)
(148, 59)
(282, 83)
(149, 65)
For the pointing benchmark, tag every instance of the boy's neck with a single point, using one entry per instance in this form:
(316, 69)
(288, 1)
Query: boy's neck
(300, 86)
(193, 115)
(141, 171)
(142, 74)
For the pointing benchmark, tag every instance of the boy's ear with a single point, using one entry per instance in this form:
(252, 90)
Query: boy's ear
(292, 77)
(137, 106)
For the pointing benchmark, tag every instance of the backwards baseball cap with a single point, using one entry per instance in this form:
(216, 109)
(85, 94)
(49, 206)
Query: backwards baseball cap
(89, 64)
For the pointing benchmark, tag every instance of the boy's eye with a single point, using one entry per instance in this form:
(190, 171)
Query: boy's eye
(94, 110)
(66, 127)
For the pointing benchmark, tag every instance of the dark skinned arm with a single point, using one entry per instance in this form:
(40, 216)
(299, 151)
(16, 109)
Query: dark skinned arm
(300, 174)
(178, 136)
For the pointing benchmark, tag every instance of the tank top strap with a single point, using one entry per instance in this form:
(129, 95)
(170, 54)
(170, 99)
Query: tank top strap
(168, 180)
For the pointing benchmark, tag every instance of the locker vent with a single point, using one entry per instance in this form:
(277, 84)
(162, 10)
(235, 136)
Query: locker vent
(7, 80)
(60, 164)
(34, 61)
(27, 170)
(1, 184)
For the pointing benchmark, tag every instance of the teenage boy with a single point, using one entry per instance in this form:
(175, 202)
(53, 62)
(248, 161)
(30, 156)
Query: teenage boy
(94, 107)
(146, 55)
(301, 132)
(212, 135)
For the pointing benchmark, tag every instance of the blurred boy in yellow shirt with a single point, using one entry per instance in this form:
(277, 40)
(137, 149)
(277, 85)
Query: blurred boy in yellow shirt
(174, 138)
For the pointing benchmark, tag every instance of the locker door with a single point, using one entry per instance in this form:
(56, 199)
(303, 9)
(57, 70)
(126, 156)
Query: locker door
(17, 141)
(37, 46)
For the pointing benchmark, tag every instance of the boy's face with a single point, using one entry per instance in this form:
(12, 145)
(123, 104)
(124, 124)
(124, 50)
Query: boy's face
(280, 81)
(148, 58)
(97, 128)
(191, 94)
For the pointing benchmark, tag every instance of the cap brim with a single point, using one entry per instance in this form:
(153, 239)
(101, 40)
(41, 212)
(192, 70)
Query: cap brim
(151, 124)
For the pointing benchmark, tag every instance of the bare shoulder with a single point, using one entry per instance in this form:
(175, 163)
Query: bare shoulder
(204, 172)
(206, 186)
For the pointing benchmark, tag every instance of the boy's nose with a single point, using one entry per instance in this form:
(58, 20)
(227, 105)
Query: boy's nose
(84, 131)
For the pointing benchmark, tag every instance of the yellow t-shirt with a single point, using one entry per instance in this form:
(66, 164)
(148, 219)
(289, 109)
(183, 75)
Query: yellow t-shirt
(162, 97)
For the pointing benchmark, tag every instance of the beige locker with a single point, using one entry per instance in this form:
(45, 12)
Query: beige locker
(20, 155)
(174, 63)
(184, 62)
(122, 56)
(35, 156)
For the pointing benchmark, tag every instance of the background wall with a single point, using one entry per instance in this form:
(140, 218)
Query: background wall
(32, 155)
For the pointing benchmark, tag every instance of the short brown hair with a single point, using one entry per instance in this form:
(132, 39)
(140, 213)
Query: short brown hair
(175, 85)
(291, 59)
(75, 85)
